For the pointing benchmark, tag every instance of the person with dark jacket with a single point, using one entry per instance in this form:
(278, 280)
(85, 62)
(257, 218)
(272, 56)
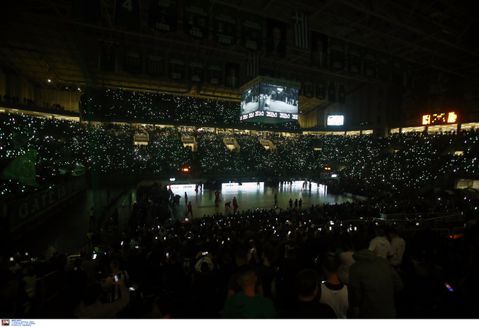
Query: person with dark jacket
(307, 303)
(373, 284)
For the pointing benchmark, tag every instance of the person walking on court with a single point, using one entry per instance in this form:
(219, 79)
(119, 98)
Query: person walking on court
(291, 203)
(217, 198)
(300, 203)
(235, 204)
(296, 203)
(190, 210)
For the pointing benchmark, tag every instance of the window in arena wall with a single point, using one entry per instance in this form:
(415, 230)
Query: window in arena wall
(442, 129)
(468, 126)
(353, 133)
(413, 129)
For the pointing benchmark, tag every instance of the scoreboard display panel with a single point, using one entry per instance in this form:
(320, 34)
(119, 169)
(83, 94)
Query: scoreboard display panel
(269, 100)
(440, 118)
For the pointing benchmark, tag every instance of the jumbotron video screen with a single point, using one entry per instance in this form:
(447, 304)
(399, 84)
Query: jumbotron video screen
(270, 100)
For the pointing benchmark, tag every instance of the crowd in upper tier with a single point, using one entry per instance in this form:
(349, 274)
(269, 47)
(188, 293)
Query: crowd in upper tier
(122, 105)
(321, 262)
(363, 164)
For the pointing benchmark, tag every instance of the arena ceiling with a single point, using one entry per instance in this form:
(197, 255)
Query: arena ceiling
(41, 40)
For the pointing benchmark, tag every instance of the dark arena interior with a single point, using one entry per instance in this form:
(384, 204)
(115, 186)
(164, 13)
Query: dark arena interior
(239, 159)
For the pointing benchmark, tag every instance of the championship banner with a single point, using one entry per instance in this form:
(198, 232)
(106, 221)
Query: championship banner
(354, 61)
(301, 31)
(127, 14)
(251, 34)
(225, 30)
(307, 88)
(196, 22)
(319, 49)
(176, 69)
(341, 94)
(332, 92)
(162, 16)
(155, 65)
(196, 72)
(215, 75)
(337, 57)
(370, 69)
(133, 62)
(252, 65)
(107, 57)
(276, 40)
(232, 75)
(320, 92)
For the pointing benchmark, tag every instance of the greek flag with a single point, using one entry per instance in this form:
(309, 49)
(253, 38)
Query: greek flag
(301, 31)
(252, 64)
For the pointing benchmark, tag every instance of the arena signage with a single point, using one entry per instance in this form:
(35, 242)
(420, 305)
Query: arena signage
(21, 211)
(440, 118)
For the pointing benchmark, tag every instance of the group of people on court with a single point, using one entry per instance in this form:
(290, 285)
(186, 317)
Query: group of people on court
(297, 203)
(189, 206)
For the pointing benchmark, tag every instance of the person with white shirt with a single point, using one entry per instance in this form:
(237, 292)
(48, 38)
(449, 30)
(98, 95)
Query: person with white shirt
(398, 246)
(333, 292)
(380, 245)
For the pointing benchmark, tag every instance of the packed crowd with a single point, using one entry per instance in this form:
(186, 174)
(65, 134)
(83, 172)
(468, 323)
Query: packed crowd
(360, 164)
(122, 105)
(332, 261)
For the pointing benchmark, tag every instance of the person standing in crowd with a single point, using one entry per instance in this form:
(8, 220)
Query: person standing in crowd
(228, 208)
(196, 189)
(92, 306)
(291, 203)
(190, 210)
(373, 285)
(217, 198)
(186, 198)
(235, 205)
(333, 292)
(300, 203)
(398, 246)
(380, 245)
(307, 303)
(247, 303)
(346, 261)
(296, 203)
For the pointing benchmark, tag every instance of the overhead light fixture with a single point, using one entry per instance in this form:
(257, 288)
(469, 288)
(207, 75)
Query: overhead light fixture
(79, 89)
(49, 80)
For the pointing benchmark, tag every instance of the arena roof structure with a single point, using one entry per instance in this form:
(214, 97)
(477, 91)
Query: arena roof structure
(51, 40)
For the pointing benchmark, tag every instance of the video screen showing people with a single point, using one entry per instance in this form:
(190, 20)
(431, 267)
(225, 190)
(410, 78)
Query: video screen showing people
(335, 120)
(277, 98)
(249, 100)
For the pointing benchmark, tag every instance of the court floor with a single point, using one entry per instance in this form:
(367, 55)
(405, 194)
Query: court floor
(252, 195)
(66, 229)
